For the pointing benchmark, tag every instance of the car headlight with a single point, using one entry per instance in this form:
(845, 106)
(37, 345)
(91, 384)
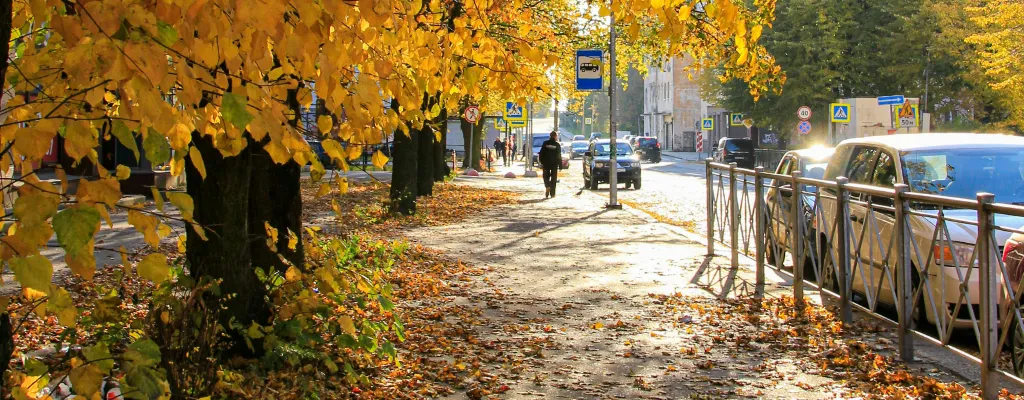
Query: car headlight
(634, 165)
(600, 164)
(959, 254)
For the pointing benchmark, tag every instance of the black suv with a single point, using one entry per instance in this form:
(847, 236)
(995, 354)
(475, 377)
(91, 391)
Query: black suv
(736, 150)
(596, 164)
(648, 149)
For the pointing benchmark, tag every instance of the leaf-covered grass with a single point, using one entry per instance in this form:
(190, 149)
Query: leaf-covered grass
(357, 320)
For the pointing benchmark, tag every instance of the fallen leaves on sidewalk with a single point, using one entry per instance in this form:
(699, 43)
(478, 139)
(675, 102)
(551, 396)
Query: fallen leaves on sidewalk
(364, 205)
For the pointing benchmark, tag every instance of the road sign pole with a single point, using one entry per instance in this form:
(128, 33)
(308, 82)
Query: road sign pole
(528, 145)
(613, 179)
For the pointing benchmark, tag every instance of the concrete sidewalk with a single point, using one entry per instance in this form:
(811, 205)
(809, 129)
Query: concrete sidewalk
(590, 286)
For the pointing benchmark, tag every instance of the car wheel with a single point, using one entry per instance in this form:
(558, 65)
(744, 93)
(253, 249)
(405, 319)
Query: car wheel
(593, 184)
(636, 184)
(657, 160)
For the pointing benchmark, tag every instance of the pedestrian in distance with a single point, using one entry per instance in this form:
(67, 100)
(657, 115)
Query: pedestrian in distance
(550, 159)
(499, 147)
(512, 147)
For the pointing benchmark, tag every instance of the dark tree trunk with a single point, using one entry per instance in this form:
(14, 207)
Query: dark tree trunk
(222, 207)
(467, 142)
(441, 165)
(425, 154)
(404, 174)
(274, 198)
(478, 141)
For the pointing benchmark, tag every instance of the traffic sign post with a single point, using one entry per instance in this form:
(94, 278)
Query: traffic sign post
(707, 124)
(804, 127)
(748, 123)
(589, 74)
(839, 113)
(891, 100)
(700, 141)
(906, 116)
(735, 119)
(804, 113)
(514, 112)
(472, 114)
(500, 124)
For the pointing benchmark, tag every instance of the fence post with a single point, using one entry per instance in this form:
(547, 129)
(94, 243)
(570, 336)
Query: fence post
(709, 178)
(759, 226)
(904, 273)
(842, 240)
(734, 218)
(988, 292)
(796, 236)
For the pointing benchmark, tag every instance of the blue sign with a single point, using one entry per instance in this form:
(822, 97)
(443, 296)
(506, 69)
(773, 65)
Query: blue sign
(513, 111)
(891, 100)
(589, 66)
(840, 112)
(804, 127)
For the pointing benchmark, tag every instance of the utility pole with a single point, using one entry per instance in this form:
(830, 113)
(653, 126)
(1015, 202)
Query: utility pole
(528, 145)
(556, 117)
(613, 179)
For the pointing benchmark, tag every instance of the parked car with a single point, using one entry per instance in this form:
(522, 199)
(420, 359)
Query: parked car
(596, 164)
(566, 155)
(736, 150)
(579, 137)
(812, 163)
(577, 148)
(648, 149)
(954, 165)
(627, 139)
(538, 140)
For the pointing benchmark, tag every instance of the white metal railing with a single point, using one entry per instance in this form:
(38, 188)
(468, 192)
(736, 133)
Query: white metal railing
(935, 260)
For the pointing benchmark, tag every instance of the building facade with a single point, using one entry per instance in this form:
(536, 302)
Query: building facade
(673, 105)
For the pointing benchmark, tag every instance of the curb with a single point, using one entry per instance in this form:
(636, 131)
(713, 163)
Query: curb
(131, 200)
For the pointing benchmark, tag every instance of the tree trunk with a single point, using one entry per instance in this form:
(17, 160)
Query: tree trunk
(478, 141)
(467, 142)
(222, 207)
(274, 198)
(404, 174)
(425, 154)
(441, 152)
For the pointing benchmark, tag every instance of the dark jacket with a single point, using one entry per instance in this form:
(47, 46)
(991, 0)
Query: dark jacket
(550, 154)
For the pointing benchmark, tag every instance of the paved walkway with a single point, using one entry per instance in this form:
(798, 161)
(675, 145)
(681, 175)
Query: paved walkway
(617, 305)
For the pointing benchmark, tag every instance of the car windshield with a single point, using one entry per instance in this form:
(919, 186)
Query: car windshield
(579, 145)
(605, 149)
(539, 140)
(965, 172)
(735, 145)
(647, 141)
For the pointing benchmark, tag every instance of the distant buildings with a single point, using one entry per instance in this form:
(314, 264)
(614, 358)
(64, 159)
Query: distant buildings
(672, 105)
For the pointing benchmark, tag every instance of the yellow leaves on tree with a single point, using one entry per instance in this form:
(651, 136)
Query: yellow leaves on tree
(154, 267)
(999, 41)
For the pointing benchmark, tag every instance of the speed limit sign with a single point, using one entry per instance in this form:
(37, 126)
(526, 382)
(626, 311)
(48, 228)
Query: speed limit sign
(804, 113)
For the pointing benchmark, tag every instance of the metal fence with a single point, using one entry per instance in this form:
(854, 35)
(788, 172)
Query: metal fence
(936, 261)
(767, 158)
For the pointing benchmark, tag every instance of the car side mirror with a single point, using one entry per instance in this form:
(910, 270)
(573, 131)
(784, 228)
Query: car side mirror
(586, 154)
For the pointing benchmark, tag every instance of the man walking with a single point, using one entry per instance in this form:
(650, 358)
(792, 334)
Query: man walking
(499, 147)
(550, 158)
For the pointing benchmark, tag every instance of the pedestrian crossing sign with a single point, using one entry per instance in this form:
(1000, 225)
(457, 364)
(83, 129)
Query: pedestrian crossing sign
(736, 119)
(839, 112)
(514, 111)
(707, 124)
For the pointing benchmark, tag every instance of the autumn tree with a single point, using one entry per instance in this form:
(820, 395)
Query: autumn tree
(999, 37)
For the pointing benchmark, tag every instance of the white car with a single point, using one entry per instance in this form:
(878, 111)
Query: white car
(955, 165)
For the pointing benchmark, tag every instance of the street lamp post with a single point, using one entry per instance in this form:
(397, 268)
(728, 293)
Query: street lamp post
(613, 179)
